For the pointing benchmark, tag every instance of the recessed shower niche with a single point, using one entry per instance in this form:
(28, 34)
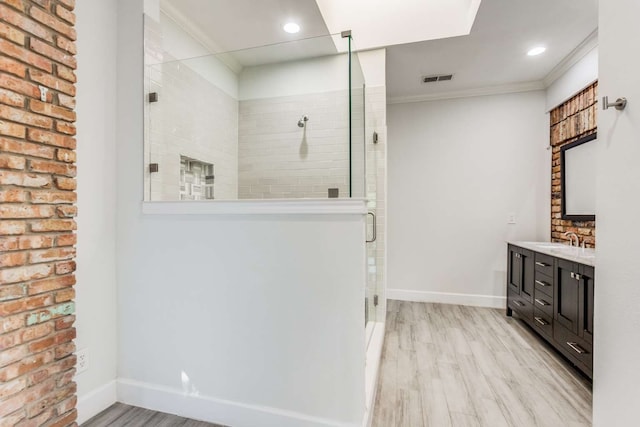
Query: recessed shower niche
(196, 179)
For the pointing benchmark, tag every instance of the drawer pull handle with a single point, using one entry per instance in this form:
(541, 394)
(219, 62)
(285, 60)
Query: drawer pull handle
(518, 303)
(541, 321)
(578, 277)
(543, 284)
(542, 303)
(542, 264)
(573, 275)
(576, 347)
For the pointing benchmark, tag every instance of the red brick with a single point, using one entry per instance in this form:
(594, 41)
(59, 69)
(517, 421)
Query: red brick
(12, 228)
(25, 117)
(65, 267)
(65, 322)
(67, 211)
(53, 197)
(53, 254)
(69, 4)
(12, 162)
(13, 387)
(65, 420)
(51, 110)
(26, 273)
(65, 350)
(26, 148)
(9, 324)
(13, 211)
(13, 196)
(66, 101)
(24, 55)
(25, 242)
(53, 225)
(67, 156)
(66, 73)
(65, 183)
(66, 45)
(11, 66)
(10, 292)
(66, 128)
(25, 304)
(12, 355)
(48, 285)
(51, 138)
(25, 23)
(11, 34)
(11, 98)
(12, 129)
(13, 419)
(37, 331)
(65, 295)
(22, 179)
(52, 82)
(41, 345)
(45, 166)
(28, 364)
(53, 53)
(67, 240)
(66, 15)
(10, 259)
(53, 22)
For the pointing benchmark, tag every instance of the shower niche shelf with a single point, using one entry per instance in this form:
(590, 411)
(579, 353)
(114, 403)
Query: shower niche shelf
(196, 179)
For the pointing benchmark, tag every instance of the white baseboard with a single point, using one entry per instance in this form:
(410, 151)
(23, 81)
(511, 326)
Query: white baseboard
(490, 301)
(96, 401)
(204, 408)
(372, 370)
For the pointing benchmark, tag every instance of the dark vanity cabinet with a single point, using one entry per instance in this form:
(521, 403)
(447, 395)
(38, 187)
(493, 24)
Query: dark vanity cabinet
(520, 281)
(555, 297)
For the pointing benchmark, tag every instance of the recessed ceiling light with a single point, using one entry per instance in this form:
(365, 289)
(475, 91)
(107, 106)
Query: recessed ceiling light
(291, 28)
(536, 51)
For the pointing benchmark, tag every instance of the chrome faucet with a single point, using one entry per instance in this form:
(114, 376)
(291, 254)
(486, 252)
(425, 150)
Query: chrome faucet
(571, 235)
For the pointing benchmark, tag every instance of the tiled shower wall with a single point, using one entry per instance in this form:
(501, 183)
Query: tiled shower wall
(192, 118)
(278, 159)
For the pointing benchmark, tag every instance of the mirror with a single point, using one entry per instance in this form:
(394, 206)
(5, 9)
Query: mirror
(578, 161)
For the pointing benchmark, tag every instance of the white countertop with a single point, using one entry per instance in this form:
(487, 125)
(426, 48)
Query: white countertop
(560, 250)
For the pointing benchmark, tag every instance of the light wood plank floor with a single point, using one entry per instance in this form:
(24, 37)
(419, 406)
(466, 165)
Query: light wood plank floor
(124, 415)
(447, 365)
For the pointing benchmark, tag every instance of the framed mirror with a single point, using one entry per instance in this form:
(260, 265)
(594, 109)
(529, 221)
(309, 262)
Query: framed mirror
(578, 166)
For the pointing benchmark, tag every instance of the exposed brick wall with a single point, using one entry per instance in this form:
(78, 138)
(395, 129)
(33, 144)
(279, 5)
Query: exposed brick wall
(37, 210)
(571, 121)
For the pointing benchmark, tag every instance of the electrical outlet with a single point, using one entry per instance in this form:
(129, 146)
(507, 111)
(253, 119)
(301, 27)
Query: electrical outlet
(511, 218)
(82, 360)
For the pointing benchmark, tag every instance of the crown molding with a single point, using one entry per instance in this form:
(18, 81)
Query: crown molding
(188, 27)
(587, 45)
(467, 93)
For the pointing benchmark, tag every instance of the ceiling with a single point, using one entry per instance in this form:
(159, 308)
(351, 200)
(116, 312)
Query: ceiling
(494, 53)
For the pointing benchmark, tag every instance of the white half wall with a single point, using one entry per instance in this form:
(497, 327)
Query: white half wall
(96, 274)
(457, 170)
(253, 313)
(616, 377)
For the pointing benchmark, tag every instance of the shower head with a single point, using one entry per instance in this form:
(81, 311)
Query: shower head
(303, 121)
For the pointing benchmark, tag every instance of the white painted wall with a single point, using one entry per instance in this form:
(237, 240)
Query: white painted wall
(230, 301)
(96, 275)
(576, 78)
(457, 169)
(616, 377)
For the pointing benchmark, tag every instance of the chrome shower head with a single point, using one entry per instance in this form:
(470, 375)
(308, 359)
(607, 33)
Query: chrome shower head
(303, 121)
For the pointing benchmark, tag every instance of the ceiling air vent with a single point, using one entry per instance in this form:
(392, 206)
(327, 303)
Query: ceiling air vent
(433, 79)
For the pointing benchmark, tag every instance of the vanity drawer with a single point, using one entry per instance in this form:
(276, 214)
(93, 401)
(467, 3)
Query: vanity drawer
(542, 323)
(574, 347)
(544, 264)
(544, 303)
(521, 306)
(544, 285)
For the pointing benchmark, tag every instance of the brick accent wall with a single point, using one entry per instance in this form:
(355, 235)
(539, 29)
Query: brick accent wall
(571, 121)
(37, 210)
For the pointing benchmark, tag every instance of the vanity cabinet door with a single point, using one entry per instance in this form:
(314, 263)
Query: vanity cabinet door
(586, 300)
(566, 301)
(528, 284)
(514, 270)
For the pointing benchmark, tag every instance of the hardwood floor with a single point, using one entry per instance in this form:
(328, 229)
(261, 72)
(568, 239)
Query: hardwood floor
(447, 365)
(124, 415)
